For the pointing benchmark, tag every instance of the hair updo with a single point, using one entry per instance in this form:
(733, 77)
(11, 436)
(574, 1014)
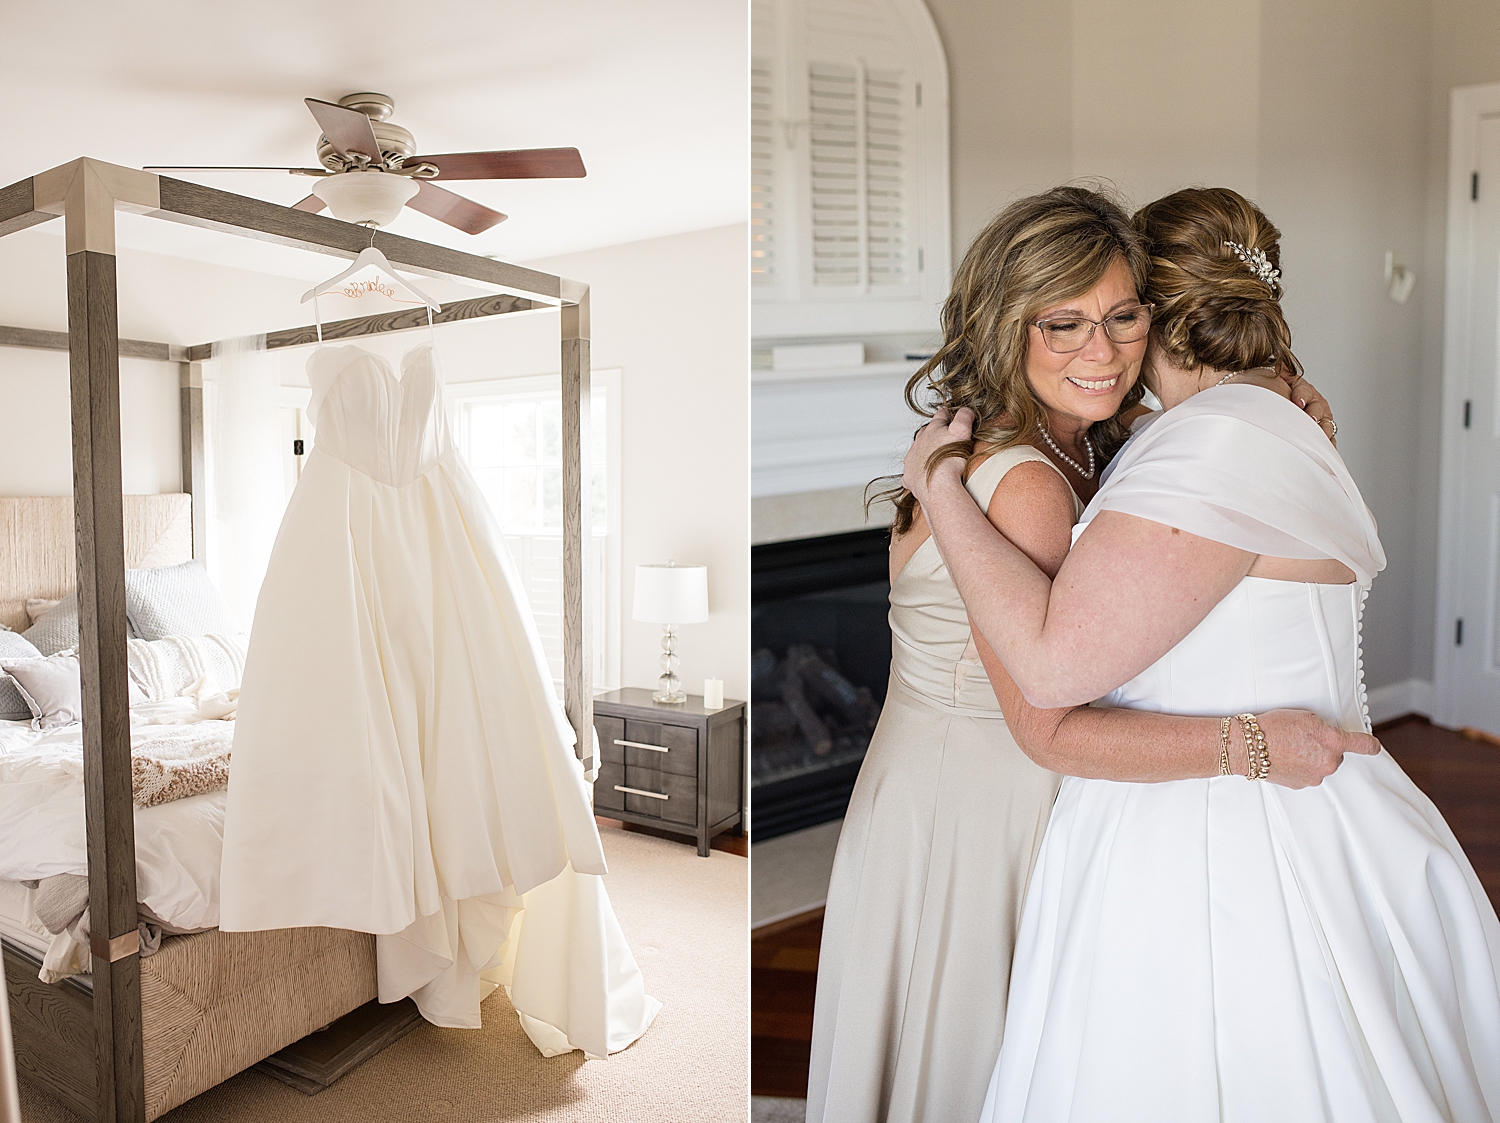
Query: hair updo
(1214, 309)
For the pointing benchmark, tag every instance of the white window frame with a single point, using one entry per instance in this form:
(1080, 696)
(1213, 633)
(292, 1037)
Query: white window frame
(607, 664)
(792, 306)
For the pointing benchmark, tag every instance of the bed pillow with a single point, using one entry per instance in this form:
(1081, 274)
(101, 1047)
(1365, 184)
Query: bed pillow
(13, 645)
(57, 630)
(175, 600)
(164, 668)
(37, 607)
(52, 688)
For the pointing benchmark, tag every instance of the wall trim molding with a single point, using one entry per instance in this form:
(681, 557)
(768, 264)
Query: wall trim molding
(1410, 696)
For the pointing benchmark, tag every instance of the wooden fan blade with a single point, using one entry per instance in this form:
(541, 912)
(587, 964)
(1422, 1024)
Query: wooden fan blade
(312, 204)
(348, 130)
(455, 210)
(521, 163)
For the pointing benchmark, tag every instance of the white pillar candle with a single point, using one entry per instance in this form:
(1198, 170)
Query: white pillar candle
(713, 694)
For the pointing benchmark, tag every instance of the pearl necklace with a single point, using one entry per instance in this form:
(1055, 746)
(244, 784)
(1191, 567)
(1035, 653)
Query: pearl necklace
(1237, 373)
(1066, 459)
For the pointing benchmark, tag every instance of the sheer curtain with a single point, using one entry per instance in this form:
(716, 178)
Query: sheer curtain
(246, 495)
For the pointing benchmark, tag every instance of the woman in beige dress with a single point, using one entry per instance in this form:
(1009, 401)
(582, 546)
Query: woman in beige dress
(1044, 334)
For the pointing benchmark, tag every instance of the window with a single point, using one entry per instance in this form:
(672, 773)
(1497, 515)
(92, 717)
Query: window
(510, 432)
(849, 167)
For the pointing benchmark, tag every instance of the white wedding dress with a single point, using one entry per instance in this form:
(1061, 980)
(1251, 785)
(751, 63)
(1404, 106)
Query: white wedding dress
(1221, 949)
(401, 764)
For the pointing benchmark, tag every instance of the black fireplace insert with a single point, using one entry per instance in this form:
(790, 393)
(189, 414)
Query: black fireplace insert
(821, 648)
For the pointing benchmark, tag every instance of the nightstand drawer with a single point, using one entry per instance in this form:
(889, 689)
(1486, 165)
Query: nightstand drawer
(663, 748)
(606, 796)
(662, 795)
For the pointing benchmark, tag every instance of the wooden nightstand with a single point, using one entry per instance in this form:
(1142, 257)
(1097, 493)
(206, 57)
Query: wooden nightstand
(678, 768)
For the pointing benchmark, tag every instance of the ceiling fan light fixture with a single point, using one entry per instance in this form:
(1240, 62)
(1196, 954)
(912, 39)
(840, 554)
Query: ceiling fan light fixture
(369, 198)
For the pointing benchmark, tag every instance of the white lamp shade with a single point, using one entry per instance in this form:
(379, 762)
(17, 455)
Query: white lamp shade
(671, 594)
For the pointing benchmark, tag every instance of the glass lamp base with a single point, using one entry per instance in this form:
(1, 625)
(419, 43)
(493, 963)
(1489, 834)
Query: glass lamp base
(669, 690)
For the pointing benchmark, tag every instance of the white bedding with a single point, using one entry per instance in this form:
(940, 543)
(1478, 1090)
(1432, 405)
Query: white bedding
(18, 920)
(177, 844)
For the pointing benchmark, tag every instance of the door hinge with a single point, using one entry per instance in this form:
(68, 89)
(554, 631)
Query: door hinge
(921, 259)
(1474, 187)
(297, 448)
(1458, 633)
(1468, 410)
(919, 95)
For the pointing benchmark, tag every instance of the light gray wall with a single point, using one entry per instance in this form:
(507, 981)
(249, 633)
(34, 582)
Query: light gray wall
(1322, 113)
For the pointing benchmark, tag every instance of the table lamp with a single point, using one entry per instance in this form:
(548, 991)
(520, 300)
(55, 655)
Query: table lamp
(669, 595)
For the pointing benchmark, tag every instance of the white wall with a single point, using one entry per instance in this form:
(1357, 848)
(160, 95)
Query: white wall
(1320, 112)
(673, 315)
(36, 450)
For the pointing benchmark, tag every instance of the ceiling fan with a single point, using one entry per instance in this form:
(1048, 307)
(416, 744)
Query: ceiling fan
(370, 169)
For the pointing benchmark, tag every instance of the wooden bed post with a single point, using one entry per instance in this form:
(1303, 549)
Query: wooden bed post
(578, 693)
(194, 471)
(86, 192)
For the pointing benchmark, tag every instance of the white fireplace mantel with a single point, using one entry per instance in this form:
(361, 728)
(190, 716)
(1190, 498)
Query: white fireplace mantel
(812, 430)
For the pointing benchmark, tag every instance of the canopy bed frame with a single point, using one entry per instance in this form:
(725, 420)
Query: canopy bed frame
(53, 1042)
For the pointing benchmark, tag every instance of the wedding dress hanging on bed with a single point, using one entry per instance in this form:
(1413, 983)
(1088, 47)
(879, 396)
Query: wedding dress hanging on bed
(401, 764)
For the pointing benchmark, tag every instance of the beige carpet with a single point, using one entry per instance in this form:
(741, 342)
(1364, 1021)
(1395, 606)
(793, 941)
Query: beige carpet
(687, 921)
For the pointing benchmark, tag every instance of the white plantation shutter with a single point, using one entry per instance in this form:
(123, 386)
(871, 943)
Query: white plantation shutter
(849, 168)
(763, 263)
(836, 180)
(886, 192)
(857, 169)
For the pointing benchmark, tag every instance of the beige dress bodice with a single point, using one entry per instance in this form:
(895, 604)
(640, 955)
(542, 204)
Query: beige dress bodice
(932, 648)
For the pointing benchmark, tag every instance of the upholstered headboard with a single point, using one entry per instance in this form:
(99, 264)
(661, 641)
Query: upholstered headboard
(37, 549)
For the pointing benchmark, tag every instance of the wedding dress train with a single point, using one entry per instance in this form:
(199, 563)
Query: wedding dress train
(401, 764)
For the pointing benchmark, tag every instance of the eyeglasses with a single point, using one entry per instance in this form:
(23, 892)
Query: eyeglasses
(1065, 334)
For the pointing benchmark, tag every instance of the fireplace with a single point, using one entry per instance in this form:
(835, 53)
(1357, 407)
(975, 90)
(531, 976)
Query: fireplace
(821, 656)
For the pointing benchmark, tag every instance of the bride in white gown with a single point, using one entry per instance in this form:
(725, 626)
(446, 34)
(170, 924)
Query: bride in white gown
(401, 763)
(1218, 948)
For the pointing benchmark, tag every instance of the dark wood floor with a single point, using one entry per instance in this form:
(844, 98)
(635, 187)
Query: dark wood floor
(1459, 774)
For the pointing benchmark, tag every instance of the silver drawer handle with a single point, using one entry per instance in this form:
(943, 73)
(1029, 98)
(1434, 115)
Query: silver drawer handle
(637, 791)
(641, 745)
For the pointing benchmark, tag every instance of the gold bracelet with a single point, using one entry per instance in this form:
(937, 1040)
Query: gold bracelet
(1224, 747)
(1257, 755)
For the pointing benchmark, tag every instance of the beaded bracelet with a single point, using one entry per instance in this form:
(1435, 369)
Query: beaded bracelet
(1224, 747)
(1257, 755)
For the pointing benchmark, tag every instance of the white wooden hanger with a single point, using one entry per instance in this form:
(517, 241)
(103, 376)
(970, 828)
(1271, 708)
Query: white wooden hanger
(367, 257)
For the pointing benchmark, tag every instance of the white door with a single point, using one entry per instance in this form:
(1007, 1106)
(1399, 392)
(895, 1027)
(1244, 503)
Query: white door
(1473, 618)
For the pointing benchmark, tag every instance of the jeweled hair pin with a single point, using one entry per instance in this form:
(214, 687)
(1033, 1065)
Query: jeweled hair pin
(1257, 262)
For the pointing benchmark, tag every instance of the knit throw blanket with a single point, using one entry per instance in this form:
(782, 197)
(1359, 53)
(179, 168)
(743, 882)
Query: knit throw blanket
(175, 762)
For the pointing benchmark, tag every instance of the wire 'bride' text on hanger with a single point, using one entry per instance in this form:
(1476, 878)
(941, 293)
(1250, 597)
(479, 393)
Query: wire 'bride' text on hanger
(357, 289)
(367, 257)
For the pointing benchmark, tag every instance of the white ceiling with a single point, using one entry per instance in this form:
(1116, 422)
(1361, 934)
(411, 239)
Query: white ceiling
(652, 92)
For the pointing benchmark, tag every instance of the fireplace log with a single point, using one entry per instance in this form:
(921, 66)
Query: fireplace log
(811, 724)
(856, 706)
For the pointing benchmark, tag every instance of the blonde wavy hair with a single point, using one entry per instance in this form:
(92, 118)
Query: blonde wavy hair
(1039, 252)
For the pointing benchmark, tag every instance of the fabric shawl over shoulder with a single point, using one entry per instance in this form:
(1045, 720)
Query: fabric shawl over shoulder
(1243, 466)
